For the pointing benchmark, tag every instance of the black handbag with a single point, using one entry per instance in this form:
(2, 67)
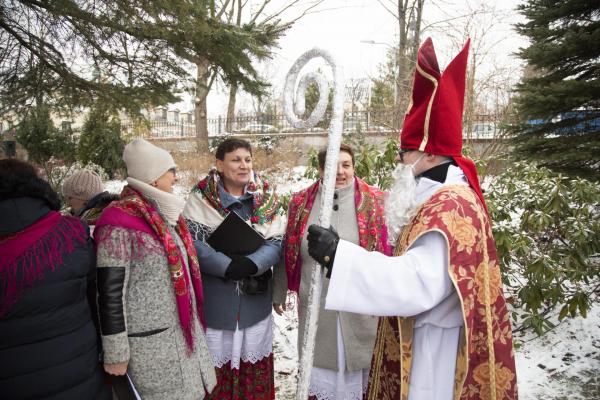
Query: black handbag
(257, 284)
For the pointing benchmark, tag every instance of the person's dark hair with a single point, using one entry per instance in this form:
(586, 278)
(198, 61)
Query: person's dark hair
(229, 145)
(343, 147)
(20, 179)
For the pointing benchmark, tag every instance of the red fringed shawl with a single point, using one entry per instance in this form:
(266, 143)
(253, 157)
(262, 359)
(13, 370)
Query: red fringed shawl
(372, 230)
(133, 211)
(27, 254)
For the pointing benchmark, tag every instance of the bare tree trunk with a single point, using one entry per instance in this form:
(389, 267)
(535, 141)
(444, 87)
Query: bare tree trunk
(410, 59)
(234, 87)
(231, 108)
(200, 111)
(400, 96)
(416, 41)
(408, 11)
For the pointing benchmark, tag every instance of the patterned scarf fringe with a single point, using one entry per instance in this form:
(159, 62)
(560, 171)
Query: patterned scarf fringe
(116, 247)
(45, 253)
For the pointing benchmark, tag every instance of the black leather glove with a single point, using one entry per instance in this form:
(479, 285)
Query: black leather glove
(322, 245)
(240, 267)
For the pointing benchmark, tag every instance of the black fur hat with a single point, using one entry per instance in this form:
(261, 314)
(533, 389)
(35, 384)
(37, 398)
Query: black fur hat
(20, 179)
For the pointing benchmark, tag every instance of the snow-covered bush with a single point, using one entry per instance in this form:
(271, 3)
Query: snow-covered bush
(268, 143)
(547, 232)
(215, 141)
(58, 172)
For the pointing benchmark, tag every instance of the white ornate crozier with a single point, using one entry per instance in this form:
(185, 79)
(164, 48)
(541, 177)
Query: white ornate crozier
(292, 107)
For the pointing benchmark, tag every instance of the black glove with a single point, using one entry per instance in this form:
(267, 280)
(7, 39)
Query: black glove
(240, 267)
(322, 244)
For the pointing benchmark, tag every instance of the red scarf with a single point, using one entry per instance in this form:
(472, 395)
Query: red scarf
(372, 230)
(131, 211)
(27, 254)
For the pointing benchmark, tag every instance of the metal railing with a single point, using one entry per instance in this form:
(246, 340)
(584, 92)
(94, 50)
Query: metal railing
(369, 122)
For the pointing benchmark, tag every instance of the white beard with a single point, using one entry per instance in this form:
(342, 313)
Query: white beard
(400, 204)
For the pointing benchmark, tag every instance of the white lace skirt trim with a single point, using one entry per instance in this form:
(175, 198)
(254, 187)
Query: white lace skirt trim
(246, 345)
(327, 384)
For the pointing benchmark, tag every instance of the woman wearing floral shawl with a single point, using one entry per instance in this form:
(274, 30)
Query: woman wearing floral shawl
(238, 315)
(149, 284)
(344, 341)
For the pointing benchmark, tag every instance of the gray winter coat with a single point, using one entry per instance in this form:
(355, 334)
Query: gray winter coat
(358, 331)
(152, 340)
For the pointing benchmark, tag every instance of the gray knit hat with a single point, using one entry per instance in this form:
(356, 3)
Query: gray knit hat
(83, 184)
(145, 161)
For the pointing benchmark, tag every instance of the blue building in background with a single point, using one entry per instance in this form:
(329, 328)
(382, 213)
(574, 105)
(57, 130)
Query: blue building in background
(582, 122)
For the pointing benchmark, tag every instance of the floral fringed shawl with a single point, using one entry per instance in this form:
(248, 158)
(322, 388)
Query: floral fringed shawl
(204, 205)
(372, 230)
(134, 211)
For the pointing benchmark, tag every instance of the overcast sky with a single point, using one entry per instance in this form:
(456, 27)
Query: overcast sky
(342, 26)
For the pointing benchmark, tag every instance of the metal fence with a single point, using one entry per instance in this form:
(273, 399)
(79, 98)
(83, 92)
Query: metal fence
(370, 122)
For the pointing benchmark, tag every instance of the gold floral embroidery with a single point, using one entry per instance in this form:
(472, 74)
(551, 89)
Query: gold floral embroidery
(389, 384)
(406, 338)
(478, 342)
(503, 334)
(462, 230)
(495, 282)
(456, 212)
(392, 347)
(461, 365)
(504, 379)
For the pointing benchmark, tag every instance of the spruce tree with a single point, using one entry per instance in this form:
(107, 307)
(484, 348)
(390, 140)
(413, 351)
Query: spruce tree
(100, 141)
(127, 53)
(384, 85)
(558, 103)
(42, 140)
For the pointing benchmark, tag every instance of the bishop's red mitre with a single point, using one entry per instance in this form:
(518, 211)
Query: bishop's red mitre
(433, 123)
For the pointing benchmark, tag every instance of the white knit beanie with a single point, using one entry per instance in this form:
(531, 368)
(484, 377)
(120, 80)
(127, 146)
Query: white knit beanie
(83, 185)
(145, 161)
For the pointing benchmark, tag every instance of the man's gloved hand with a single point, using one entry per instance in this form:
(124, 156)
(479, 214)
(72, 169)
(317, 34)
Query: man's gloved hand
(240, 267)
(322, 244)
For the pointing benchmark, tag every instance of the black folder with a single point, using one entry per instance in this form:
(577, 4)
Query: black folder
(235, 237)
(123, 388)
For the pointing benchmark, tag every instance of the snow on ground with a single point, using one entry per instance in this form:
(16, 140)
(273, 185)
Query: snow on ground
(563, 364)
(285, 352)
(291, 181)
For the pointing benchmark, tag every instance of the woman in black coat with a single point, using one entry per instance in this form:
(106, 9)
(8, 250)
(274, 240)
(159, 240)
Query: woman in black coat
(48, 340)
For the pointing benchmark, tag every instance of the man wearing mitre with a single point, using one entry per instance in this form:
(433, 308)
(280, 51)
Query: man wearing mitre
(444, 330)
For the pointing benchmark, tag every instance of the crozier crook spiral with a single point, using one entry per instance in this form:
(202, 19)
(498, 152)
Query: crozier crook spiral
(291, 109)
(295, 105)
